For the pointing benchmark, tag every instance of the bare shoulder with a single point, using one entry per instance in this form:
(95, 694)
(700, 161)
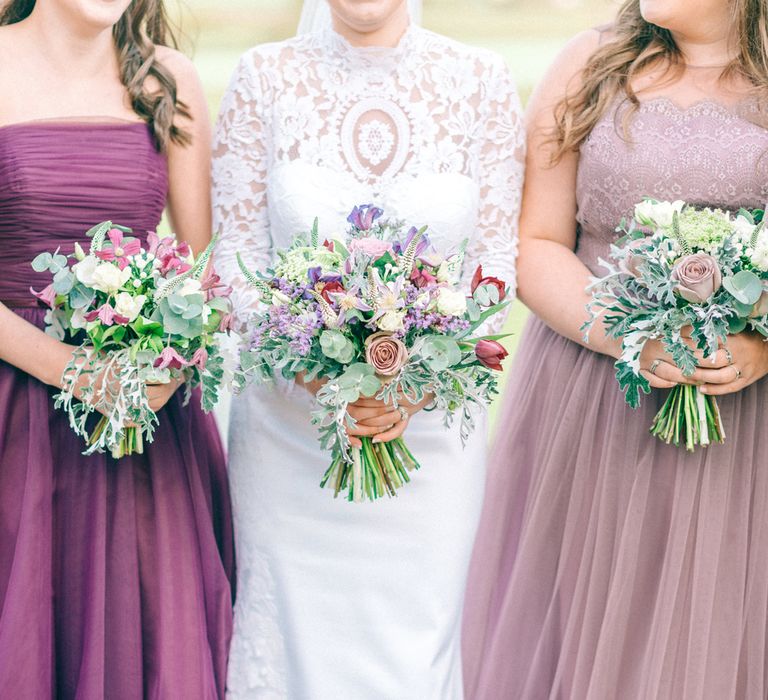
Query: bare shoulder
(577, 52)
(180, 66)
(565, 74)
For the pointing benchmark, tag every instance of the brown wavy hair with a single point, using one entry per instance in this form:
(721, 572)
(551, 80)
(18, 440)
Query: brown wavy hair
(636, 45)
(143, 26)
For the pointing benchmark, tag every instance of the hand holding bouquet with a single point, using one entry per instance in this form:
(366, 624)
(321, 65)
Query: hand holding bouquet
(689, 278)
(141, 316)
(378, 316)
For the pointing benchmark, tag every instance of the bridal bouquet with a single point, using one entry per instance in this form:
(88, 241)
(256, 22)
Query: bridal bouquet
(378, 316)
(141, 315)
(688, 277)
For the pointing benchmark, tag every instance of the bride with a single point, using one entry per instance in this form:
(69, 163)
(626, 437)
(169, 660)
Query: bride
(339, 600)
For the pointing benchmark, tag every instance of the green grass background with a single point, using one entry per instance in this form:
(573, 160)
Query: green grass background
(527, 33)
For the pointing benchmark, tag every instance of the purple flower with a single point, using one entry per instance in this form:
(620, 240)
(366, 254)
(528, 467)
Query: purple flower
(47, 295)
(170, 358)
(107, 315)
(363, 216)
(200, 358)
(421, 246)
(120, 250)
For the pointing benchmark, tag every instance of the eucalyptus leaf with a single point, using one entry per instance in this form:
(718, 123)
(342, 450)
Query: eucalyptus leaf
(744, 286)
(42, 262)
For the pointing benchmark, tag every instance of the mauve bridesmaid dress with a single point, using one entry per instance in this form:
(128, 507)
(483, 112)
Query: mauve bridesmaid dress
(114, 575)
(608, 565)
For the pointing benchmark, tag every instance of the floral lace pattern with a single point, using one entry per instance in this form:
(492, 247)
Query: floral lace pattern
(432, 130)
(375, 120)
(708, 154)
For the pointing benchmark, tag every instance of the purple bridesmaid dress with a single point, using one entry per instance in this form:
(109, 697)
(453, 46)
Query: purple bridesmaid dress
(114, 575)
(608, 565)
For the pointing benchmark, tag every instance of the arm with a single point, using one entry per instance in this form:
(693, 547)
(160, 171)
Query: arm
(189, 179)
(240, 160)
(500, 176)
(552, 280)
(26, 347)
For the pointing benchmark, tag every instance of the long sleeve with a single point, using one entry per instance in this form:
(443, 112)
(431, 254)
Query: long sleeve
(240, 214)
(500, 177)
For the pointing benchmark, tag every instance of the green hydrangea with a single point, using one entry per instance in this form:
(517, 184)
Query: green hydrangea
(705, 229)
(296, 262)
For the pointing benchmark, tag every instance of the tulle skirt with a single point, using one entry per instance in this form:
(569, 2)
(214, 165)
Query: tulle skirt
(114, 575)
(609, 565)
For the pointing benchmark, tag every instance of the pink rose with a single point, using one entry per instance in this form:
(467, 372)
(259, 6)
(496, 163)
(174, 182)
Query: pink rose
(631, 263)
(373, 247)
(699, 277)
(385, 353)
(490, 354)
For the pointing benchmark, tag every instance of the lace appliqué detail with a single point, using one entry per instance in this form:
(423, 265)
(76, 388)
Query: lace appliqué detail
(708, 154)
(378, 120)
(375, 141)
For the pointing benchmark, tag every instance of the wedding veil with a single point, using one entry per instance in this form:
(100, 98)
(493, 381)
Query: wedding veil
(316, 15)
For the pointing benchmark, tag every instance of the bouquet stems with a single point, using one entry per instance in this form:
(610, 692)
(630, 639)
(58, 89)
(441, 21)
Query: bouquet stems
(131, 442)
(377, 469)
(688, 416)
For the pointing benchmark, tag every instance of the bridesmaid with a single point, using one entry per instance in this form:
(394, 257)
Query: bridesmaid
(608, 564)
(114, 575)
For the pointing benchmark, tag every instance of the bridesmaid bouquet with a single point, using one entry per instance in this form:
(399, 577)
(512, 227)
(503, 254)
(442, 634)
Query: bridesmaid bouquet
(142, 316)
(688, 277)
(380, 315)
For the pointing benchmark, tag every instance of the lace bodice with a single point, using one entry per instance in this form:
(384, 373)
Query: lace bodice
(431, 131)
(708, 154)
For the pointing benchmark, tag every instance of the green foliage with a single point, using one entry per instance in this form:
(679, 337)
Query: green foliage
(745, 286)
(337, 346)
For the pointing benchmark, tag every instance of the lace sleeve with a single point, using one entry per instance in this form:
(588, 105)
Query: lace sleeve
(240, 212)
(500, 176)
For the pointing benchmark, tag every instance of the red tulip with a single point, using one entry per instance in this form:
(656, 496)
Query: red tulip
(490, 353)
(330, 288)
(478, 280)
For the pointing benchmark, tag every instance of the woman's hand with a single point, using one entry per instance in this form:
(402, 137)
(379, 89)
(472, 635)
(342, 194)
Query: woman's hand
(160, 394)
(740, 362)
(658, 367)
(380, 421)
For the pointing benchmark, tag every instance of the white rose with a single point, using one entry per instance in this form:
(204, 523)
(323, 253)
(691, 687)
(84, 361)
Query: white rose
(279, 298)
(129, 306)
(657, 214)
(190, 286)
(451, 303)
(109, 278)
(84, 270)
(392, 321)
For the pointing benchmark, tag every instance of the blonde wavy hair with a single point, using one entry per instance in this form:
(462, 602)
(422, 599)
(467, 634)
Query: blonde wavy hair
(637, 45)
(143, 26)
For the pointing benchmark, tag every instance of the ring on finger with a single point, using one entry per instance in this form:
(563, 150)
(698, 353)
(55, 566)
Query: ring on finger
(654, 366)
(738, 373)
(728, 355)
(404, 415)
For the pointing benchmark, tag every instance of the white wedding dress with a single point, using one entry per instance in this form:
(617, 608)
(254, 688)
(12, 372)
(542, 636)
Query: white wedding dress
(342, 601)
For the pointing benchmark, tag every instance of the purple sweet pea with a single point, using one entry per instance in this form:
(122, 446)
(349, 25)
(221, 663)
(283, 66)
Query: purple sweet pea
(200, 358)
(47, 295)
(363, 216)
(107, 315)
(421, 247)
(170, 358)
